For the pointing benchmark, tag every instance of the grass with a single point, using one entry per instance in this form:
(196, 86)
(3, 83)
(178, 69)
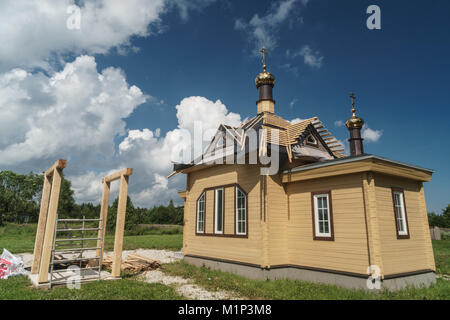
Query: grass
(20, 238)
(18, 288)
(442, 256)
(215, 280)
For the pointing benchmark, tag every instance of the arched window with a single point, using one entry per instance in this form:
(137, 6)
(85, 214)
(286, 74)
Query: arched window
(201, 214)
(241, 212)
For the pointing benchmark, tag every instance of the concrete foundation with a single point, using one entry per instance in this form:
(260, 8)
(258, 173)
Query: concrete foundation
(350, 281)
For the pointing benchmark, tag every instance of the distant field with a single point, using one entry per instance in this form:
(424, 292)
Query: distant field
(20, 238)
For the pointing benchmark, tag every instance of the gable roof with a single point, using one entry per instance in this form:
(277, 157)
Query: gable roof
(289, 135)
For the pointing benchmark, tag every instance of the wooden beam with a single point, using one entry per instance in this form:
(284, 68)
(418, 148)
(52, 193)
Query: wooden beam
(120, 226)
(338, 150)
(325, 135)
(321, 131)
(59, 164)
(40, 232)
(116, 175)
(329, 138)
(50, 226)
(319, 127)
(104, 216)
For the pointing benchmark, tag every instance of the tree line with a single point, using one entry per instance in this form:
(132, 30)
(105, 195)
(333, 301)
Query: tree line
(20, 196)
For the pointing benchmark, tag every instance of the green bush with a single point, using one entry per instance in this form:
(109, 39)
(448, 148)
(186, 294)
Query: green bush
(445, 235)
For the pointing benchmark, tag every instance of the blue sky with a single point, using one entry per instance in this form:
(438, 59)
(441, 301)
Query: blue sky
(206, 48)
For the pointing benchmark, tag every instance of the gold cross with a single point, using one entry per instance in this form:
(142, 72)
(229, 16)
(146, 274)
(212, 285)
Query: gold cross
(353, 97)
(264, 52)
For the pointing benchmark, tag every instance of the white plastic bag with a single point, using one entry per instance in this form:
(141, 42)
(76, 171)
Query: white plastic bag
(11, 265)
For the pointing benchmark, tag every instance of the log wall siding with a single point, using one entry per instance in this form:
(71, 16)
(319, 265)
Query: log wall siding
(280, 228)
(402, 255)
(277, 216)
(223, 247)
(348, 252)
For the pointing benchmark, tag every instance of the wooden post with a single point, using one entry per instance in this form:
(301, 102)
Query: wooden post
(50, 226)
(104, 216)
(41, 225)
(120, 226)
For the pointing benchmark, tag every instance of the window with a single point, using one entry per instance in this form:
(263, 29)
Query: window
(322, 216)
(201, 214)
(218, 211)
(401, 222)
(311, 140)
(241, 212)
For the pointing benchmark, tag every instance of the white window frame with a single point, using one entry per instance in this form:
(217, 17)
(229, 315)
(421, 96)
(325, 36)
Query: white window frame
(215, 209)
(203, 196)
(316, 216)
(402, 219)
(237, 212)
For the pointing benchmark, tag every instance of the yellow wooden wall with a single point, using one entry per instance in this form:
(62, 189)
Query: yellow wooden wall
(277, 221)
(403, 255)
(348, 252)
(238, 249)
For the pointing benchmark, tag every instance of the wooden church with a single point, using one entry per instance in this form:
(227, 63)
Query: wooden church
(321, 216)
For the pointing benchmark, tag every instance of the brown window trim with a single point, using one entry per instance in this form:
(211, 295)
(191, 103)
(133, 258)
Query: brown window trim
(405, 236)
(330, 209)
(196, 215)
(223, 235)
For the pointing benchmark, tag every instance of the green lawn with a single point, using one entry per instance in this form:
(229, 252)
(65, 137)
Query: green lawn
(214, 280)
(18, 288)
(442, 256)
(20, 238)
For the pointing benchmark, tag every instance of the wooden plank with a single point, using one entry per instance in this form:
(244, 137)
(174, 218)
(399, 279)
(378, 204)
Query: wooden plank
(120, 226)
(325, 135)
(40, 232)
(116, 175)
(59, 164)
(50, 226)
(104, 216)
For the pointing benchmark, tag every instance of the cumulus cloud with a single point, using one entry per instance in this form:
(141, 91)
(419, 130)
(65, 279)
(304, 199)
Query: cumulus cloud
(296, 120)
(311, 58)
(35, 34)
(339, 123)
(153, 156)
(370, 135)
(75, 110)
(262, 31)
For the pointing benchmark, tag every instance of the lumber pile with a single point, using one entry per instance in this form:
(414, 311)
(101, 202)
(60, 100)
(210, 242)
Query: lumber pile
(134, 263)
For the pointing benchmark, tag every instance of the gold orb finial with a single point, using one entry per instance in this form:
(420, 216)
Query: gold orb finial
(264, 77)
(354, 121)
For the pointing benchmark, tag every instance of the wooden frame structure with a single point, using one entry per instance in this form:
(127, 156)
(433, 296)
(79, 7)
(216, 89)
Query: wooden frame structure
(47, 218)
(121, 175)
(45, 234)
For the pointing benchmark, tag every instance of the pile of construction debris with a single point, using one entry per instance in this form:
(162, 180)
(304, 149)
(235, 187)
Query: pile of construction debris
(134, 263)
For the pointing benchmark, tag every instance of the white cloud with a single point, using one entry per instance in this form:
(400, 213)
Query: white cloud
(370, 135)
(35, 34)
(76, 110)
(311, 58)
(292, 103)
(152, 156)
(339, 123)
(296, 120)
(262, 31)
